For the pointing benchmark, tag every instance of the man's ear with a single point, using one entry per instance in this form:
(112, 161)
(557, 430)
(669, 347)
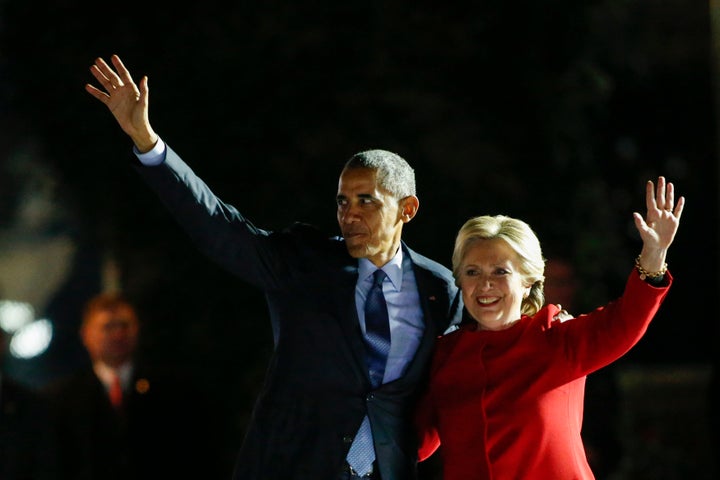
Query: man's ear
(408, 208)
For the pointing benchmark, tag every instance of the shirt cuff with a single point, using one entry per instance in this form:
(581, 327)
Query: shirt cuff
(154, 156)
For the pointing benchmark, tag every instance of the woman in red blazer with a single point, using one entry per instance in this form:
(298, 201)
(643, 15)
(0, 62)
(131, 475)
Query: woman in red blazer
(505, 398)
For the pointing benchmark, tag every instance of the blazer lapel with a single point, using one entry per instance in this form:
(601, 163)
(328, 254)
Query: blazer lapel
(349, 321)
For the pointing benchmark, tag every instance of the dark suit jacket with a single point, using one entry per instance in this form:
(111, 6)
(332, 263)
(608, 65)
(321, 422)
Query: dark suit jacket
(317, 389)
(157, 434)
(27, 446)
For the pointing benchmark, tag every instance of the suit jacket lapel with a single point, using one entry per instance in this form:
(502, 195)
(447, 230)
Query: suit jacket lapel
(349, 321)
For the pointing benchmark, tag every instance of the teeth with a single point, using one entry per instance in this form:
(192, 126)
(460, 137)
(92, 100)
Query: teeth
(486, 301)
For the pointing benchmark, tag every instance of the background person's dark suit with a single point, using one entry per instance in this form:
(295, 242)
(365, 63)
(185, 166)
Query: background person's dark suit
(317, 389)
(156, 434)
(26, 443)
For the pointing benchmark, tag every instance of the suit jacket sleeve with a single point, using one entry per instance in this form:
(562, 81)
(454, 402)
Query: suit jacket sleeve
(263, 258)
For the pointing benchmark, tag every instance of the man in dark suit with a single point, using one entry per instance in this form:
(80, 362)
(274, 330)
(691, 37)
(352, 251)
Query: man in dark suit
(318, 404)
(27, 446)
(119, 419)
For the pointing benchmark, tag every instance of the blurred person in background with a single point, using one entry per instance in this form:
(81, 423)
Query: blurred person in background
(120, 418)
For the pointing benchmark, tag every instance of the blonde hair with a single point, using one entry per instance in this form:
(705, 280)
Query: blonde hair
(521, 238)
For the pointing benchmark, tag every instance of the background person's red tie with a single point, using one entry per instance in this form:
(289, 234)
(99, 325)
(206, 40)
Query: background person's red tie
(116, 392)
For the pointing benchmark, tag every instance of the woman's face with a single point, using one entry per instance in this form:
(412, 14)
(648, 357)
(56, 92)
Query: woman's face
(492, 286)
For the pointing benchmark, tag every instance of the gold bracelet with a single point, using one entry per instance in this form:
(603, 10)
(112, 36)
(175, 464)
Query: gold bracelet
(651, 275)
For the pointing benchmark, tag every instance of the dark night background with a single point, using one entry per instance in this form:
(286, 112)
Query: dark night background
(556, 112)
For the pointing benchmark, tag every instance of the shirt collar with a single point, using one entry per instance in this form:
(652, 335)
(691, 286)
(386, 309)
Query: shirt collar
(106, 372)
(393, 269)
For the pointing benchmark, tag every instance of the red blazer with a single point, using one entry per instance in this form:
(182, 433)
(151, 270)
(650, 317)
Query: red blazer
(509, 404)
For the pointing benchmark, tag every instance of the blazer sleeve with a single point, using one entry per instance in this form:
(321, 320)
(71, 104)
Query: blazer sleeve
(600, 337)
(263, 258)
(425, 423)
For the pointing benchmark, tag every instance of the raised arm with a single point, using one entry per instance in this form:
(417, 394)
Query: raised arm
(657, 230)
(126, 101)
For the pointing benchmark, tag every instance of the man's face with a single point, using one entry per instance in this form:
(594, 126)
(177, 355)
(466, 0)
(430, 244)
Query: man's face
(111, 335)
(370, 218)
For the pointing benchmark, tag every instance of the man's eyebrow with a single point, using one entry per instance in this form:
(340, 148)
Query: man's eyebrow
(341, 196)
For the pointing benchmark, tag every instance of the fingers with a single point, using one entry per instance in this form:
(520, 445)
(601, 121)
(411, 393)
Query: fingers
(670, 197)
(663, 212)
(662, 198)
(122, 71)
(679, 207)
(665, 195)
(111, 79)
(640, 223)
(660, 195)
(650, 203)
(562, 314)
(144, 89)
(100, 77)
(107, 76)
(95, 92)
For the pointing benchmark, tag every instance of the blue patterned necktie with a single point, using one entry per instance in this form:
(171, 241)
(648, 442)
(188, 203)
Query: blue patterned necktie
(377, 329)
(377, 340)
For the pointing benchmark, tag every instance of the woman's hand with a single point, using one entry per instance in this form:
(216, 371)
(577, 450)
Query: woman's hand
(658, 228)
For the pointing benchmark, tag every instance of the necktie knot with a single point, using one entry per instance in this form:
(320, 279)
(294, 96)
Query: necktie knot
(378, 278)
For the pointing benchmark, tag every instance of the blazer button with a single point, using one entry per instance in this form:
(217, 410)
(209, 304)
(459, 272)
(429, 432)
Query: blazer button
(347, 439)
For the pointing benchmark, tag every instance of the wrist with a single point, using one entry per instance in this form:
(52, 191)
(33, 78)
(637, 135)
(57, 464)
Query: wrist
(145, 143)
(654, 274)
